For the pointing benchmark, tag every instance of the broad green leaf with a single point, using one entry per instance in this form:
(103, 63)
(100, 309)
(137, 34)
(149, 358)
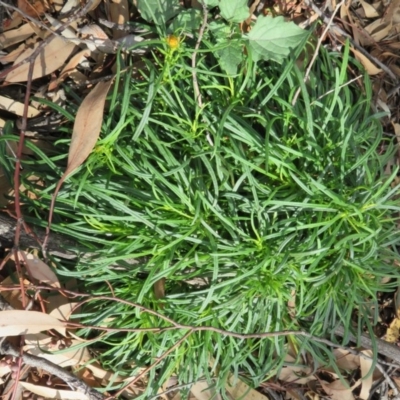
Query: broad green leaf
(234, 10)
(272, 38)
(187, 20)
(158, 11)
(231, 56)
(211, 3)
(219, 29)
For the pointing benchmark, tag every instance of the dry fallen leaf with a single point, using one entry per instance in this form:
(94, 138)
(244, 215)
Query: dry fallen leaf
(16, 107)
(49, 393)
(345, 360)
(292, 373)
(366, 383)
(21, 322)
(87, 126)
(40, 270)
(50, 58)
(240, 390)
(201, 392)
(338, 391)
(15, 36)
(379, 29)
(70, 68)
(368, 65)
(370, 10)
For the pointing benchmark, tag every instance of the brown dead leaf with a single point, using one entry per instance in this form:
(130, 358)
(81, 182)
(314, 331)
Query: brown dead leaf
(240, 390)
(70, 68)
(338, 391)
(298, 374)
(49, 393)
(345, 360)
(392, 13)
(40, 270)
(201, 392)
(49, 59)
(12, 56)
(33, 8)
(87, 126)
(15, 36)
(21, 322)
(16, 107)
(159, 289)
(379, 29)
(368, 65)
(366, 382)
(369, 10)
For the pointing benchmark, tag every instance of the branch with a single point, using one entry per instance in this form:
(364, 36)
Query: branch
(7, 348)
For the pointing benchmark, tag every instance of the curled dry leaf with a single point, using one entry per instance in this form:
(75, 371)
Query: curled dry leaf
(49, 393)
(16, 107)
(50, 58)
(87, 126)
(21, 322)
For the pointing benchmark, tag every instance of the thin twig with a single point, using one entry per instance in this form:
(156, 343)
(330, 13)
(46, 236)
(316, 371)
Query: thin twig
(389, 381)
(321, 38)
(384, 348)
(196, 88)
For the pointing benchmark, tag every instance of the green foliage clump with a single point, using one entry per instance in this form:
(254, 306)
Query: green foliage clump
(241, 206)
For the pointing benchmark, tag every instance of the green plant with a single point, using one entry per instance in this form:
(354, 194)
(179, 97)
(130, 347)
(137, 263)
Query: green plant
(287, 201)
